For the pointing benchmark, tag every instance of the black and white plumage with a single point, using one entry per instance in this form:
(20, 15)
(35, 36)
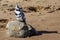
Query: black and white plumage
(19, 14)
(19, 28)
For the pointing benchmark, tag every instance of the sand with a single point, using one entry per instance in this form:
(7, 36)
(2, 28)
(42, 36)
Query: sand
(43, 15)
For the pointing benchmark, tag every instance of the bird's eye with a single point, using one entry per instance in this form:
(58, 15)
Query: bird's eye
(16, 14)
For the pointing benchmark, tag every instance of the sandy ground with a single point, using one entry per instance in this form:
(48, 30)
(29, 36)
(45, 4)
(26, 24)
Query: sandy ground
(43, 15)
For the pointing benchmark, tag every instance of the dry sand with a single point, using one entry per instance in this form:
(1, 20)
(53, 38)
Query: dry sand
(43, 15)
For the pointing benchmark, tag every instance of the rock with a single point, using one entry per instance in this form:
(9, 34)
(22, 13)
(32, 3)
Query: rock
(17, 29)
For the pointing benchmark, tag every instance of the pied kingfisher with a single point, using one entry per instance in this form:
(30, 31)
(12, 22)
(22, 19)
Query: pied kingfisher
(19, 14)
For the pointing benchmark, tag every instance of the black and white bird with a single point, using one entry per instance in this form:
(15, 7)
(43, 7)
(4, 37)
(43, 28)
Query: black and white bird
(19, 27)
(19, 14)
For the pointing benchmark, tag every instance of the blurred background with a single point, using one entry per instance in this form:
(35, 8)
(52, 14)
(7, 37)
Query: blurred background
(43, 15)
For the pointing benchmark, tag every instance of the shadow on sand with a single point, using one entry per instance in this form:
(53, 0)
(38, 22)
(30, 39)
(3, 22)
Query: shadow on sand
(33, 32)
